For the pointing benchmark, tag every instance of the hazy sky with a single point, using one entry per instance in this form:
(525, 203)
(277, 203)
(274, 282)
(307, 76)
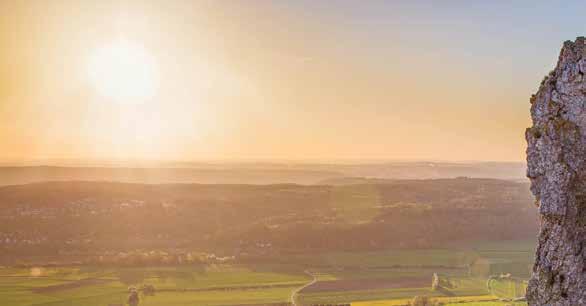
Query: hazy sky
(442, 80)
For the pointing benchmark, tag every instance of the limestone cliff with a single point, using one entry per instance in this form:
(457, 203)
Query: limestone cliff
(556, 158)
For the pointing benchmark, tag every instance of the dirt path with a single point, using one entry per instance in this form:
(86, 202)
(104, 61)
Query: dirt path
(296, 291)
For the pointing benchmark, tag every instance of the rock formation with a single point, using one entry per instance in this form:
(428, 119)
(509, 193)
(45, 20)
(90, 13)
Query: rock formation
(556, 160)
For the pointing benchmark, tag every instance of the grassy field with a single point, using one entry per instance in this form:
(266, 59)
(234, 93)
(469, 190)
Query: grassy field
(177, 286)
(460, 300)
(390, 277)
(508, 288)
(466, 287)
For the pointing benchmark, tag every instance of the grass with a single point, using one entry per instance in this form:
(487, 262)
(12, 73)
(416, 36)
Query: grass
(237, 283)
(389, 258)
(213, 277)
(508, 288)
(460, 300)
(495, 303)
(463, 287)
(240, 284)
(275, 295)
(469, 286)
(364, 295)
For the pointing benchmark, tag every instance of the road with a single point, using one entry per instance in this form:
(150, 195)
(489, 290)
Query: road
(296, 291)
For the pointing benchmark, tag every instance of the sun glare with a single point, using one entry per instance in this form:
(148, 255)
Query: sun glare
(123, 71)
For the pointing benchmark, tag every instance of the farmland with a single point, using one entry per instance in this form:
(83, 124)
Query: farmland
(378, 242)
(388, 277)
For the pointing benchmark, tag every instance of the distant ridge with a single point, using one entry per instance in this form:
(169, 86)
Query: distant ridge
(380, 181)
(35, 174)
(261, 173)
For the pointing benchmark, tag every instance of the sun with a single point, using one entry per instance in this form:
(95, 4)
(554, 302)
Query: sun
(123, 71)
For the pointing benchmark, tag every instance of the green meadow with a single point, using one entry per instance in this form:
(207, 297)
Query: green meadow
(389, 277)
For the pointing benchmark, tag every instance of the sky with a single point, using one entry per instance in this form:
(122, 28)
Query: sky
(294, 80)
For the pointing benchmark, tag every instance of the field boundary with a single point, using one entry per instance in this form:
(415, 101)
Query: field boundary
(296, 291)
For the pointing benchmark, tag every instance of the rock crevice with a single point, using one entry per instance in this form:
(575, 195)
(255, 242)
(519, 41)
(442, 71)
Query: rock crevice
(556, 166)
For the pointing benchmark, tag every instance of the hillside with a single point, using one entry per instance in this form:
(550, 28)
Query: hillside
(93, 217)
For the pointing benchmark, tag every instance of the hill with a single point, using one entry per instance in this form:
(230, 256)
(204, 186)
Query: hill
(96, 217)
(256, 173)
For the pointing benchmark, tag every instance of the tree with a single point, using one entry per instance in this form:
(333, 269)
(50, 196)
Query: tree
(133, 298)
(423, 301)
